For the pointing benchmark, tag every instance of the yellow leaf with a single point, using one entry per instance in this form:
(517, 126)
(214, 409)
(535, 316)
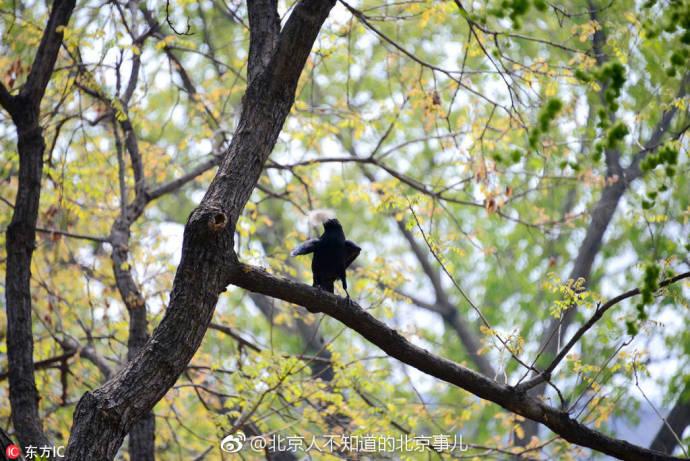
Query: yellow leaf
(519, 432)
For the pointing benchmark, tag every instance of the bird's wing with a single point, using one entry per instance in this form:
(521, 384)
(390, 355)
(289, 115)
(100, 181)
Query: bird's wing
(351, 252)
(305, 248)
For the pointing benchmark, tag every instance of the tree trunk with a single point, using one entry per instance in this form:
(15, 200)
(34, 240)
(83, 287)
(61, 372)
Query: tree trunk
(21, 241)
(21, 233)
(142, 435)
(104, 416)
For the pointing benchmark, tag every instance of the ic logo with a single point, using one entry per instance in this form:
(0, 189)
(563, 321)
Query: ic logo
(12, 451)
(233, 442)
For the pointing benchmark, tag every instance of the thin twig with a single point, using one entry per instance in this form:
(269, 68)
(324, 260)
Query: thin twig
(598, 313)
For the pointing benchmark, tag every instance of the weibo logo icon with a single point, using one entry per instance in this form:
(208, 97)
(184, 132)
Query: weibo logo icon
(233, 442)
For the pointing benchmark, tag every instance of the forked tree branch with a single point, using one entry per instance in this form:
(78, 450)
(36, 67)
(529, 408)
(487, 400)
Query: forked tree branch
(598, 314)
(390, 341)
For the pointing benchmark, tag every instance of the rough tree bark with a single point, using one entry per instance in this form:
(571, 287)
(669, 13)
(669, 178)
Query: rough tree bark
(105, 415)
(24, 108)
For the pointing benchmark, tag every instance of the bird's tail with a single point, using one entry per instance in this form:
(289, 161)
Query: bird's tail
(327, 286)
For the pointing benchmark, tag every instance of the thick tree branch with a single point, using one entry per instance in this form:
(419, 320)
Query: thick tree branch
(133, 76)
(104, 416)
(46, 55)
(264, 29)
(395, 345)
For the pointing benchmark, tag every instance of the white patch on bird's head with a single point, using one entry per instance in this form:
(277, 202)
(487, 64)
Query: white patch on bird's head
(318, 217)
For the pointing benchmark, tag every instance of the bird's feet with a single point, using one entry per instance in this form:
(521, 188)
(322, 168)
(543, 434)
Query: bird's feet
(349, 301)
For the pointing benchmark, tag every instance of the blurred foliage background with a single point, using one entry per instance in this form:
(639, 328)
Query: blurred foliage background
(465, 147)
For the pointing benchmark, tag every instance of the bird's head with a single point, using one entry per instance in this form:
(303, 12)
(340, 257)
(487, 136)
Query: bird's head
(320, 216)
(332, 224)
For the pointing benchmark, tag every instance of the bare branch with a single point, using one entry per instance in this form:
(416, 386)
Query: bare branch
(450, 74)
(170, 24)
(74, 235)
(234, 335)
(178, 183)
(673, 426)
(42, 364)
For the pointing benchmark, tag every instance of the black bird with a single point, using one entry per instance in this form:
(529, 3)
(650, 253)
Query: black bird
(332, 255)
